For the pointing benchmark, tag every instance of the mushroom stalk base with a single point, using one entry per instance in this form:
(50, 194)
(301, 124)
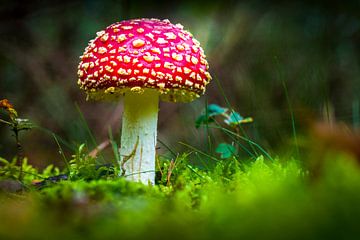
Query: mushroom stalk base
(138, 137)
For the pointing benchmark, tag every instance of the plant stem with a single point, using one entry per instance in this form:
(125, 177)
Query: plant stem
(20, 155)
(138, 137)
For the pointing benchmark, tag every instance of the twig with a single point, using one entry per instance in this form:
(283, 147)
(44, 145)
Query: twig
(99, 148)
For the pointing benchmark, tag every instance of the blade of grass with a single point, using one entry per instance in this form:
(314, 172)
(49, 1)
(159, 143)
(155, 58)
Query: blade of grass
(356, 113)
(114, 146)
(60, 139)
(199, 151)
(6, 122)
(167, 147)
(249, 142)
(62, 153)
(92, 138)
(204, 163)
(235, 140)
(208, 134)
(193, 170)
(222, 92)
(184, 157)
(293, 125)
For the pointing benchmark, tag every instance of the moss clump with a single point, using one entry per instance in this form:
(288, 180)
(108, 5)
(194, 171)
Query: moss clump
(255, 200)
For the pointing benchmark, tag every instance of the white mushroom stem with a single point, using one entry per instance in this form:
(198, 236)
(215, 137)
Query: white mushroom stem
(138, 137)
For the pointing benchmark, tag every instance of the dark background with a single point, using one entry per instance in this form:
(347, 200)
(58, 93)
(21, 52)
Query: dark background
(254, 48)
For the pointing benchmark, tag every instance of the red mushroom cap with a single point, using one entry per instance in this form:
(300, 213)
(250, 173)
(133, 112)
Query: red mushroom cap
(144, 53)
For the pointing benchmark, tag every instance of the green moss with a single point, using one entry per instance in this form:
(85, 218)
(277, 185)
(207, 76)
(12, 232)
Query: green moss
(255, 200)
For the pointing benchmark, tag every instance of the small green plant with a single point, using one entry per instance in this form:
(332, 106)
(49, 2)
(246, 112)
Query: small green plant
(17, 125)
(9, 170)
(231, 118)
(84, 166)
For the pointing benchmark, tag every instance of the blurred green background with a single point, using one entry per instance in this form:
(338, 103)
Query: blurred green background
(254, 49)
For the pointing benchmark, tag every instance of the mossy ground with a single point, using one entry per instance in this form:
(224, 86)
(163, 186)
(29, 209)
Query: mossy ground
(255, 200)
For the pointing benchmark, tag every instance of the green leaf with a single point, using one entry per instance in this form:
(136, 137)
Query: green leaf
(203, 119)
(214, 110)
(236, 119)
(23, 124)
(226, 150)
(211, 111)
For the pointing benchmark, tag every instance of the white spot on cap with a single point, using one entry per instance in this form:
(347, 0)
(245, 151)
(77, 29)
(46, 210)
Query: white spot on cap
(150, 35)
(80, 73)
(169, 76)
(142, 78)
(102, 50)
(187, 70)
(180, 47)
(194, 60)
(104, 37)
(85, 66)
(170, 35)
(161, 41)
(100, 33)
(186, 46)
(138, 43)
(177, 57)
(182, 36)
(109, 68)
(161, 85)
(121, 38)
(104, 59)
(208, 76)
(135, 60)
(169, 65)
(140, 30)
(122, 71)
(196, 42)
(126, 27)
(121, 49)
(148, 58)
(188, 83)
(178, 25)
(156, 50)
(119, 58)
(127, 59)
(153, 73)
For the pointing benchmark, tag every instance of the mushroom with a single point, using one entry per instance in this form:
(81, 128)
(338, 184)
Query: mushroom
(144, 60)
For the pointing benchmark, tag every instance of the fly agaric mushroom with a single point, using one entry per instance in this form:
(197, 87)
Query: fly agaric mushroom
(144, 60)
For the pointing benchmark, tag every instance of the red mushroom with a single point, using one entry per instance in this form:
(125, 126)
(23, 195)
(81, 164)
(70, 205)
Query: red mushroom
(143, 60)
